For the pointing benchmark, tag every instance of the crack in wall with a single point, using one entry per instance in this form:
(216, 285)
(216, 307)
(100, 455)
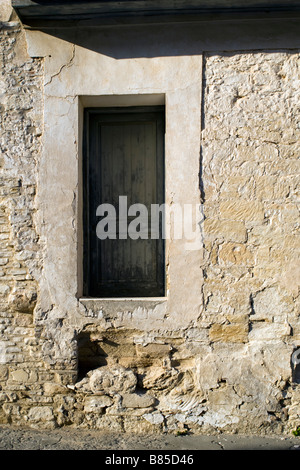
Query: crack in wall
(67, 65)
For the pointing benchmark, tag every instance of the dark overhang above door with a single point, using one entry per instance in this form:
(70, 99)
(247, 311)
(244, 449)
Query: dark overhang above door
(41, 12)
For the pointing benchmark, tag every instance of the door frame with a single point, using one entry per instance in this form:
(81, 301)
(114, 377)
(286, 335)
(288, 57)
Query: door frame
(142, 112)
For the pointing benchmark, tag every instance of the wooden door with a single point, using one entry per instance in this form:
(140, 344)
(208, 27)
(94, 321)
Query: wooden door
(124, 157)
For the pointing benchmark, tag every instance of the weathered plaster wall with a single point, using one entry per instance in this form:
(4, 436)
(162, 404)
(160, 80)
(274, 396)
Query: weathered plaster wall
(215, 354)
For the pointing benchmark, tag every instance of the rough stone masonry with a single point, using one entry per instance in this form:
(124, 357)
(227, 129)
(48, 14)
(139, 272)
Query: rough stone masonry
(219, 361)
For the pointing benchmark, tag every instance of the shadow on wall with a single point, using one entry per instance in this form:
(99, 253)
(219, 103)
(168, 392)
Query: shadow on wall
(90, 355)
(182, 39)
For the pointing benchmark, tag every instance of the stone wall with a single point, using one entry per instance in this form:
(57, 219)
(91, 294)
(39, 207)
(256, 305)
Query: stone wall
(133, 368)
(21, 118)
(250, 167)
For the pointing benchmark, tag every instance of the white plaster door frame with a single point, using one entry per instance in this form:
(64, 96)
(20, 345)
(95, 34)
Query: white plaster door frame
(75, 76)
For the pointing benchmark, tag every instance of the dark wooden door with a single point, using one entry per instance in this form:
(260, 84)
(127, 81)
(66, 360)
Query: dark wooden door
(124, 157)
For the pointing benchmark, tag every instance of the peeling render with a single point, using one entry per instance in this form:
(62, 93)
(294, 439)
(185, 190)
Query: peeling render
(216, 353)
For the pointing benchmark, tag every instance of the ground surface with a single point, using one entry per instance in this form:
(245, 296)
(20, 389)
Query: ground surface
(12, 438)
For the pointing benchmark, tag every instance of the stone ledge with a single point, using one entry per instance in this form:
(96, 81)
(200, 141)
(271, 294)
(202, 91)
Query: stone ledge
(101, 305)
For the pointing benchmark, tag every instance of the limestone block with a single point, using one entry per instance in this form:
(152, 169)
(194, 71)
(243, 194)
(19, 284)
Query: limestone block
(154, 418)
(153, 350)
(218, 419)
(250, 211)
(295, 399)
(4, 289)
(5, 10)
(196, 334)
(39, 414)
(3, 372)
(275, 359)
(265, 187)
(22, 319)
(122, 350)
(266, 151)
(267, 304)
(23, 302)
(140, 426)
(97, 404)
(3, 397)
(263, 331)
(231, 230)
(20, 376)
(233, 333)
(133, 400)
(113, 423)
(224, 396)
(235, 253)
(113, 380)
(159, 378)
(82, 386)
(54, 388)
(182, 402)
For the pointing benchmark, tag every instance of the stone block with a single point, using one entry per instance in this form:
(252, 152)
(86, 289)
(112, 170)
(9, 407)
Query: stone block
(19, 376)
(154, 350)
(54, 389)
(23, 319)
(3, 372)
(134, 425)
(267, 304)
(262, 331)
(39, 414)
(230, 230)
(249, 211)
(133, 400)
(113, 380)
(23, 302)
(231, 333)
(4, 289)
(224, 396)
(97, 404)
(154, 418)
(112, 423)
(235, 253)
(5, 10)
(117, 351)
(132, 362)
(160, 378)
